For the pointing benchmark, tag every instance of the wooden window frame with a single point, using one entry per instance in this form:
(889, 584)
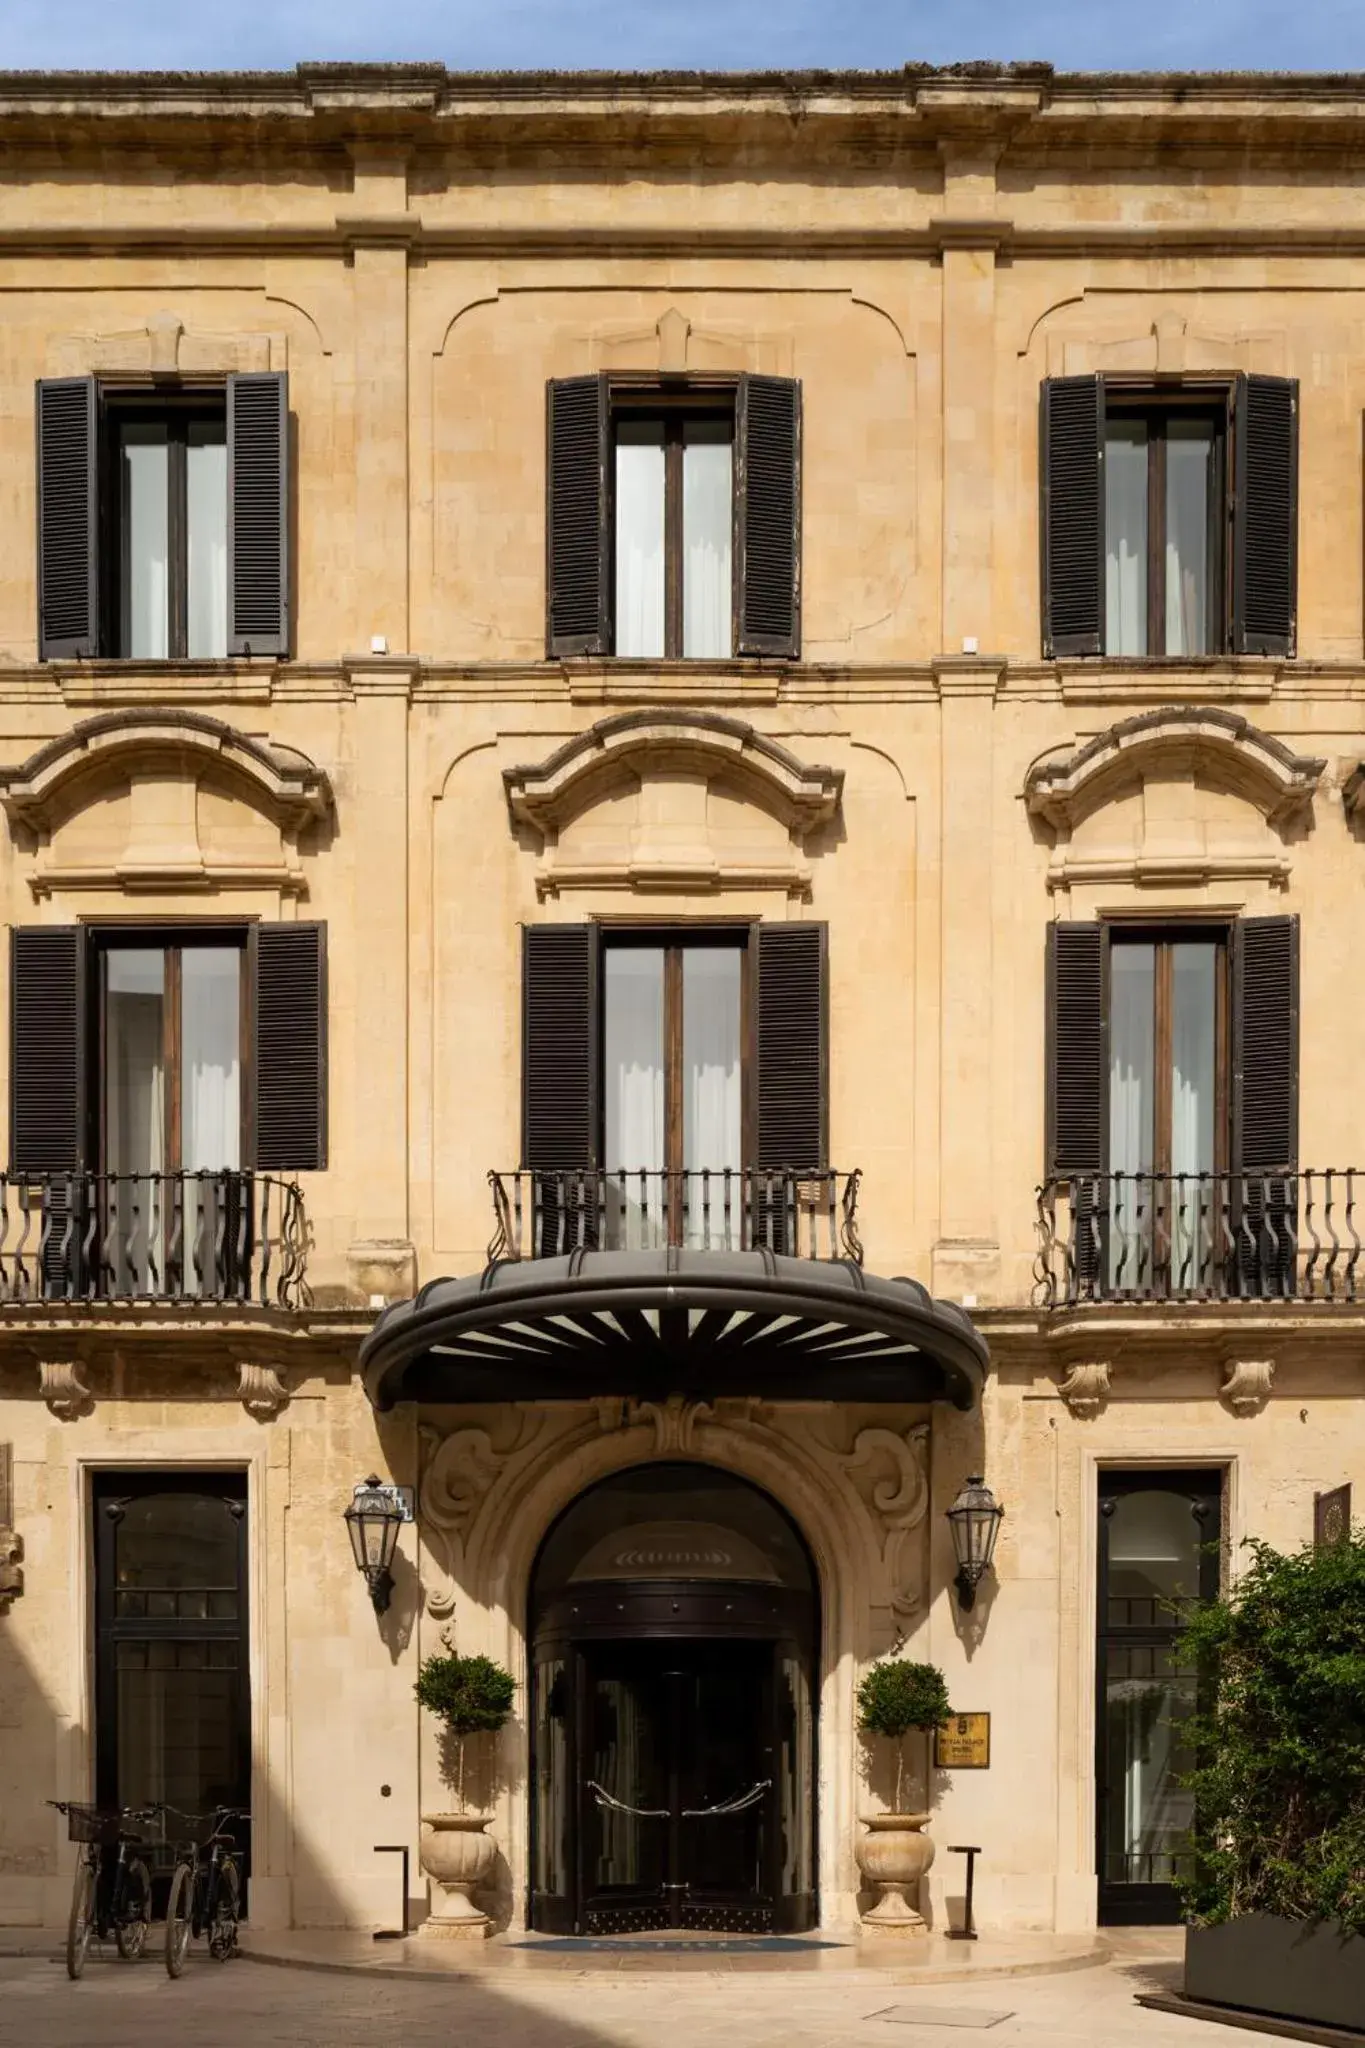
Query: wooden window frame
(673, 938)
(178, 409)
(671, 405)
(1164, 937)
(172, 941)
(1157, 405)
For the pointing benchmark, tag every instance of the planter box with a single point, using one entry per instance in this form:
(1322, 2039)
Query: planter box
(1294, 1969)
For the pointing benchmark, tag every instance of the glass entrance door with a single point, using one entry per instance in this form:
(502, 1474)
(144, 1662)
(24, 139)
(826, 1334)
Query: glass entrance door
(1159, 1533)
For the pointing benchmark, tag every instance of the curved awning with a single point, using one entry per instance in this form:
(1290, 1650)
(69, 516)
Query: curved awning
(673, 1321)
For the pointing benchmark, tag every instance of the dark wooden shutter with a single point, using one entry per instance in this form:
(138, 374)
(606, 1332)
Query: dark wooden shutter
(47, 991)
(68, 518)
(768, 516)
(1075, 1041)
(289, 1046)
(1265, 1044)
(1265, 514)
(793, 1046)
(577, 517)
(258, 513)
(1071, 467)
(558, 1046)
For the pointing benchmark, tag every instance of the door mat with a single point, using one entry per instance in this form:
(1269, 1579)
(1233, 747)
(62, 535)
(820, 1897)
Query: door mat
(685, 1945)
(938, 2016)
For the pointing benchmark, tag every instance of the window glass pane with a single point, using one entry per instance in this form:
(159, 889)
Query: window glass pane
(210, 1054)
(206, 539)
(640, 538)
(633, 1082)
(1189, 455)
(553, 1788)
(707, 522)
(1196, 1233)
(1154, 1540)
(134, 1075)
(144, 487)
(1131, 1023)
(711, 1089)
(1125, 537)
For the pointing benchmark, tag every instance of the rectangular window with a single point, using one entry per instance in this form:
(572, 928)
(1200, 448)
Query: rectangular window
(1163, 517)
(673, 506)
(169, 527)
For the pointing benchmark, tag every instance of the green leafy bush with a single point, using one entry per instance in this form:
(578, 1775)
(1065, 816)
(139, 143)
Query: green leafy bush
(1279, 1743)
(471, 1695)
(897, 1696)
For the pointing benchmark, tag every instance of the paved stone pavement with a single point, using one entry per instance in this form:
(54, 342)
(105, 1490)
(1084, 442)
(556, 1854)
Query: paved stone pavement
(118, 2005)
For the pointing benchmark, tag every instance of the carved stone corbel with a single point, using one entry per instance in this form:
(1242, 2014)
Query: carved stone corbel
(675, 1421)
(1247, 1383)
(460, 1470)
(899, 1503)
(64, 1390)
(1086, 1389)
(261, 1391)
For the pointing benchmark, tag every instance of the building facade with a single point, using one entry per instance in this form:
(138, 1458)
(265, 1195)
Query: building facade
(643, 704)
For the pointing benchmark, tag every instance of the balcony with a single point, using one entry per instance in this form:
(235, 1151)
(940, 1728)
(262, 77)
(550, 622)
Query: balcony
(1187, 1237)
(543, 1215)
(167, 1237)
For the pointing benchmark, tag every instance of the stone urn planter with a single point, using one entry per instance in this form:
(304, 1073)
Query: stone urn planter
(893, 1856)
(457, 1853)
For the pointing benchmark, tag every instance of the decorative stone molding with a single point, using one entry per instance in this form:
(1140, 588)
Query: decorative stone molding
(1181, 736)
(164, 347)
(1086, 1389)
(1170, 346)
(460, 1469)
(898, 1502)
(675, 1421)
(64, 1390)
(261, 1391)
(1247, 1384)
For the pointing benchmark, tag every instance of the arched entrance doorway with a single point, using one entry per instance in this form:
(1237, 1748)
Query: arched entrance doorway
(674, 1622)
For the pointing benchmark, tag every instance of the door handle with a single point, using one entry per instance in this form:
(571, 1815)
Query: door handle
(738, 1804)
(604, 1798)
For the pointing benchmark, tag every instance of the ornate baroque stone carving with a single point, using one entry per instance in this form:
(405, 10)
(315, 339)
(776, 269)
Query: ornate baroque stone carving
(1247, 1383)
(1086, 1389)
(65, 1392)
(675, 1421)
(261, 1391)
(459, 1472)
(899, 1501)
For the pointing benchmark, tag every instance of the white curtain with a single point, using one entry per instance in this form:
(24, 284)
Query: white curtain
(1188, 450)
(206, 543)
(135, 1117)
(146, 541)
(712, 1135)
(1194, 970)
(633, 1074)
(1125, 537)
(210, 1111)
(640, 539)
(1132, 1015)
(708, 498)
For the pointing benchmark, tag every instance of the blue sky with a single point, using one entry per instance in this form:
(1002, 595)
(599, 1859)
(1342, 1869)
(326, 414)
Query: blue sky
(716, 34)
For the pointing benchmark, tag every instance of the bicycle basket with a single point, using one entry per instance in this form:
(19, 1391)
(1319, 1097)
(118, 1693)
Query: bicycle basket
(92, 1824)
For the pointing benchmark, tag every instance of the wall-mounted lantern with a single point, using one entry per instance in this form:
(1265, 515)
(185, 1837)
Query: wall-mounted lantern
(974, 1518)
(376, 1514)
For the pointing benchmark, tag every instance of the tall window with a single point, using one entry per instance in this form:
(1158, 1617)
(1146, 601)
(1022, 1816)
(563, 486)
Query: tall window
(1163, 468)
(674, 513)
(169, 538)
(672, 1098)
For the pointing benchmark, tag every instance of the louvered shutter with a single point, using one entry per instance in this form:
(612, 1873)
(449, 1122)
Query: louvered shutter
(768, 516)
(1071, 468)
(258, 513)
(577, 517)
(288, 964)
(1265, 1100)
(559, 1046)
(1075, 1063)
(47, 988)
(68, 518)
(793, 1046)
(1265, 514)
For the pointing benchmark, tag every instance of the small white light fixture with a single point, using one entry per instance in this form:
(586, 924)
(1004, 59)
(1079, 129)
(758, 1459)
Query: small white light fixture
(969, 643)
(379, 643)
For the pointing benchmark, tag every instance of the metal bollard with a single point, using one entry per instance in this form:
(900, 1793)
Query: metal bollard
(967, 1931)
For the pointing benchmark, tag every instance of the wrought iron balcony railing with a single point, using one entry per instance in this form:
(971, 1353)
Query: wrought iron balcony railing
(1199, 1237)
(192, 1237)
(805, 1215)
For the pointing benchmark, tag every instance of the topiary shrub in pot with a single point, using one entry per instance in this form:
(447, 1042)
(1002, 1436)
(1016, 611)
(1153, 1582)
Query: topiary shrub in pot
(896, 1698)
(469, 1696)
(1275, 1897)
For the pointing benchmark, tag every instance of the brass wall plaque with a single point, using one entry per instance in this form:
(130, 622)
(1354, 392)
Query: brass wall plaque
(1331, 1517)
(963, 1743)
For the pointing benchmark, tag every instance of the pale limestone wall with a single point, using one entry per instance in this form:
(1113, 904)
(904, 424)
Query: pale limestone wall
(920, 260)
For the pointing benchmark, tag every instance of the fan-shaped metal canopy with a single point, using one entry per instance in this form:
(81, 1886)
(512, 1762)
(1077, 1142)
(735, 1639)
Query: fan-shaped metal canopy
(655, 1323)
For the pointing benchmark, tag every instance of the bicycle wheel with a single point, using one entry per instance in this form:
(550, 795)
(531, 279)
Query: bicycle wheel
(178, 1910)
(223, 1932)
(79, 1927)
(135, 1917)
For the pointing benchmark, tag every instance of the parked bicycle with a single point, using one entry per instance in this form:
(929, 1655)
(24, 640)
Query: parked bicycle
(113, 1887)
(206, 1890)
